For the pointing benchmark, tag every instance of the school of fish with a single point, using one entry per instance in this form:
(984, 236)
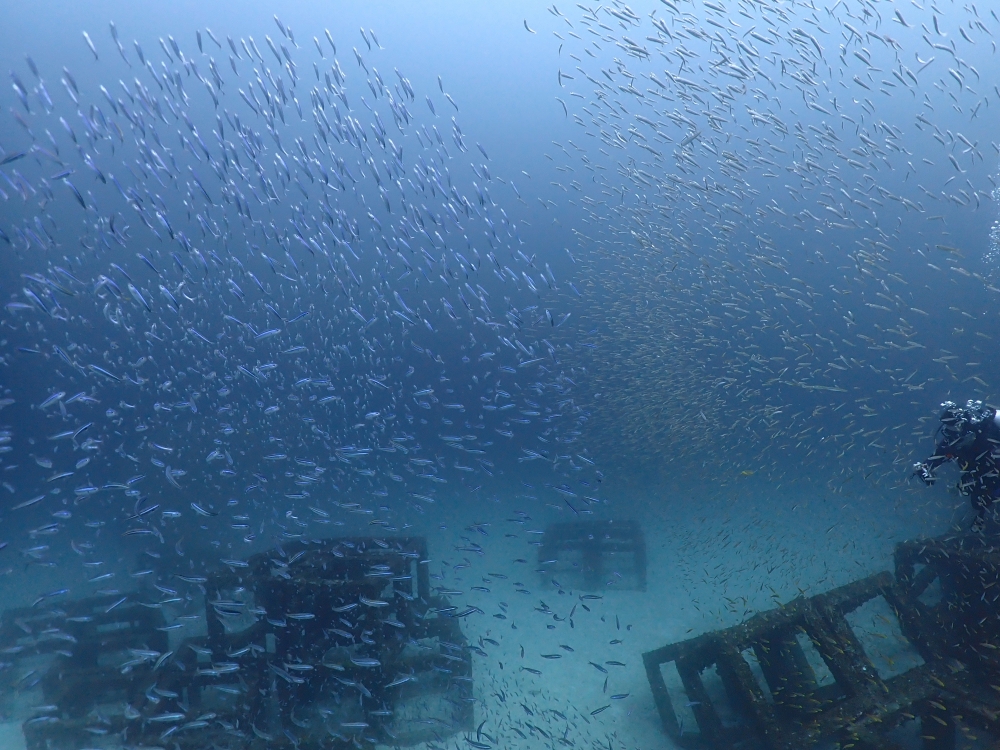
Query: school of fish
(261, 289)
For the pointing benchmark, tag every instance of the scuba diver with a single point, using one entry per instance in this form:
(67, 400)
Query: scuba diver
(970, 436)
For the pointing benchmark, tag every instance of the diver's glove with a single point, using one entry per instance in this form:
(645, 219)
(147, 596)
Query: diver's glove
(922, 471)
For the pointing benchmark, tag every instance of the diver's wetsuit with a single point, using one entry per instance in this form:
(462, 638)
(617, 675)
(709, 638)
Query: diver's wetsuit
(975, 447)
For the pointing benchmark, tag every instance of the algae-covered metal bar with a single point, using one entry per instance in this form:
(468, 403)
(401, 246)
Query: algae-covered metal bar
(807, 672)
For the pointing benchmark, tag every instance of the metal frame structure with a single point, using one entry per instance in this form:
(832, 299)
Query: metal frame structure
(329, 644)
(786, 706)
(587, 552)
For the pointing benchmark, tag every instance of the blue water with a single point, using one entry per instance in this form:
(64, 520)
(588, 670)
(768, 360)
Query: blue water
(467, 270)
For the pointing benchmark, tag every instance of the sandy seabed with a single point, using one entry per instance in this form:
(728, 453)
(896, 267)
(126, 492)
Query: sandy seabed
(713, 559)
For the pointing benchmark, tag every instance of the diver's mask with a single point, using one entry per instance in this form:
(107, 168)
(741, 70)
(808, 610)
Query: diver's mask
(963, 441)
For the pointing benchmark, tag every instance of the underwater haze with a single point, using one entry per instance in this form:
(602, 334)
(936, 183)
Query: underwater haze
(279, 275)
